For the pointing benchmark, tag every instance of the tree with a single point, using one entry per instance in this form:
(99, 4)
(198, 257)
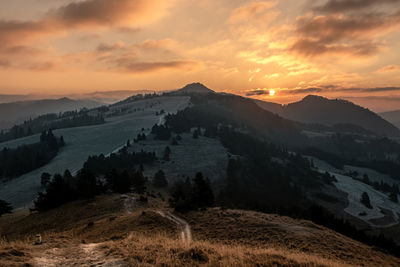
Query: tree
(195, 134)
(393, 197)
(159, 179)
(119, 182)
(202, 193)
(174, 142)
(167, 152)
(139, 182)
(365, 200)
(87, 185)
(45, 179)
(5, 207)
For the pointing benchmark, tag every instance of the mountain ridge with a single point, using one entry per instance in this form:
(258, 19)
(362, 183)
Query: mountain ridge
(15, 112)
(318, 109)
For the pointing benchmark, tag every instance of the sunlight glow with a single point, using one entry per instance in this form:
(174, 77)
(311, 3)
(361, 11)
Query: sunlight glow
(272, 92)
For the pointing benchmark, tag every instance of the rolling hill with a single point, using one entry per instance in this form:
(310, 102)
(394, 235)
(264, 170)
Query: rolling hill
(317, 109)
(392, 116)
(16, 112)
(117, 230)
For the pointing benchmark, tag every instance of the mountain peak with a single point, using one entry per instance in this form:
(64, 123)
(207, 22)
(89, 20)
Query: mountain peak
(197, 88)
(313, 98)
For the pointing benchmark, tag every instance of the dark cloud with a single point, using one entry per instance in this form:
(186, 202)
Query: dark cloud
(372, 90)
(137, 67)
(257, 92)
(316, 47)
(101, 12)
(337, 6)
(305, 90)
(337, 89)
(351, 34)
(76, 15)
(4, 63)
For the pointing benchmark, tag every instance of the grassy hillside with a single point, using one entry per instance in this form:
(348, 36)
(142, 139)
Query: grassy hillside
(120, 231)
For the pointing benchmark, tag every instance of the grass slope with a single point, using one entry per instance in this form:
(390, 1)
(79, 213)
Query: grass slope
(116, 230)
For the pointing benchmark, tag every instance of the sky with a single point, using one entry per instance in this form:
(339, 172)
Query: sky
(276, 51)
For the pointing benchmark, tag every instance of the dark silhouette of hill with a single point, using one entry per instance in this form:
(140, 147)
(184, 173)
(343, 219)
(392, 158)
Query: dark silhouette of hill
(16, 112)
(194, 88)
(392, 116)
(330, 112)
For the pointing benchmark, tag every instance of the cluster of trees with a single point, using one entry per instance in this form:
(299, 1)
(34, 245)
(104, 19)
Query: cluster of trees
(374, 153)
(25, 158)
(122, 161)
(5, 207)
(99, 175)
(393, 190)
(139, 137)
(161, 132)
(160, 112)
(51, 121)
(159, 180)
(136, 98)
(192, 195)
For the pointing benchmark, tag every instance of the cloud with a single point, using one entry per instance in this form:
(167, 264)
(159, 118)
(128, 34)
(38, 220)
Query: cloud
(139, 58)
(304, 91)
(122, 15)
(257, 92)
(250, 11)
(140, 67)
(374, 89)
(389, 68)
(83, 15)
(338, 89)
(107, 12)
(4, 63)
(336, 6)
(342, 34)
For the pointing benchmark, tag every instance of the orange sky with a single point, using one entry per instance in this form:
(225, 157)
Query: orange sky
(336, 48)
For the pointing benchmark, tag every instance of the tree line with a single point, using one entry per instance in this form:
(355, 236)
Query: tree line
(25, 158)
(51, 121)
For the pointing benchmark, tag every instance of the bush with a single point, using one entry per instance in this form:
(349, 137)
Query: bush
(159, 179)
(365, 200)
(5, 207)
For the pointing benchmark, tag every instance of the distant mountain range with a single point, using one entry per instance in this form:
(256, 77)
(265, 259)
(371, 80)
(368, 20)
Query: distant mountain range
(108, 97)
(330, 112)
(16, 112)
(392, 116)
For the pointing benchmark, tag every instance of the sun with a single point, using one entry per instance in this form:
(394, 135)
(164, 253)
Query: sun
(272, 92)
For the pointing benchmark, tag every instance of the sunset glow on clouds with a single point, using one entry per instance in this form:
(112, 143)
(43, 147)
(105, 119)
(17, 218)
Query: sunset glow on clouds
(335, 48)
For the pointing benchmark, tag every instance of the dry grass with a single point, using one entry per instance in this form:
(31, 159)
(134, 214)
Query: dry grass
(140, 236)
(160, 250)
(254, 229)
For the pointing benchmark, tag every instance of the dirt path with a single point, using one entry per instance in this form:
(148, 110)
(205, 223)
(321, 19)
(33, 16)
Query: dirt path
(129, 202)
(67, 254)
(186, 233)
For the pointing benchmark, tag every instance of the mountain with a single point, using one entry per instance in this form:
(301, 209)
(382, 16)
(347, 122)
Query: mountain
(392, 116)
(270, 106)
(317, 109)
(194, 88)
(16, 112)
